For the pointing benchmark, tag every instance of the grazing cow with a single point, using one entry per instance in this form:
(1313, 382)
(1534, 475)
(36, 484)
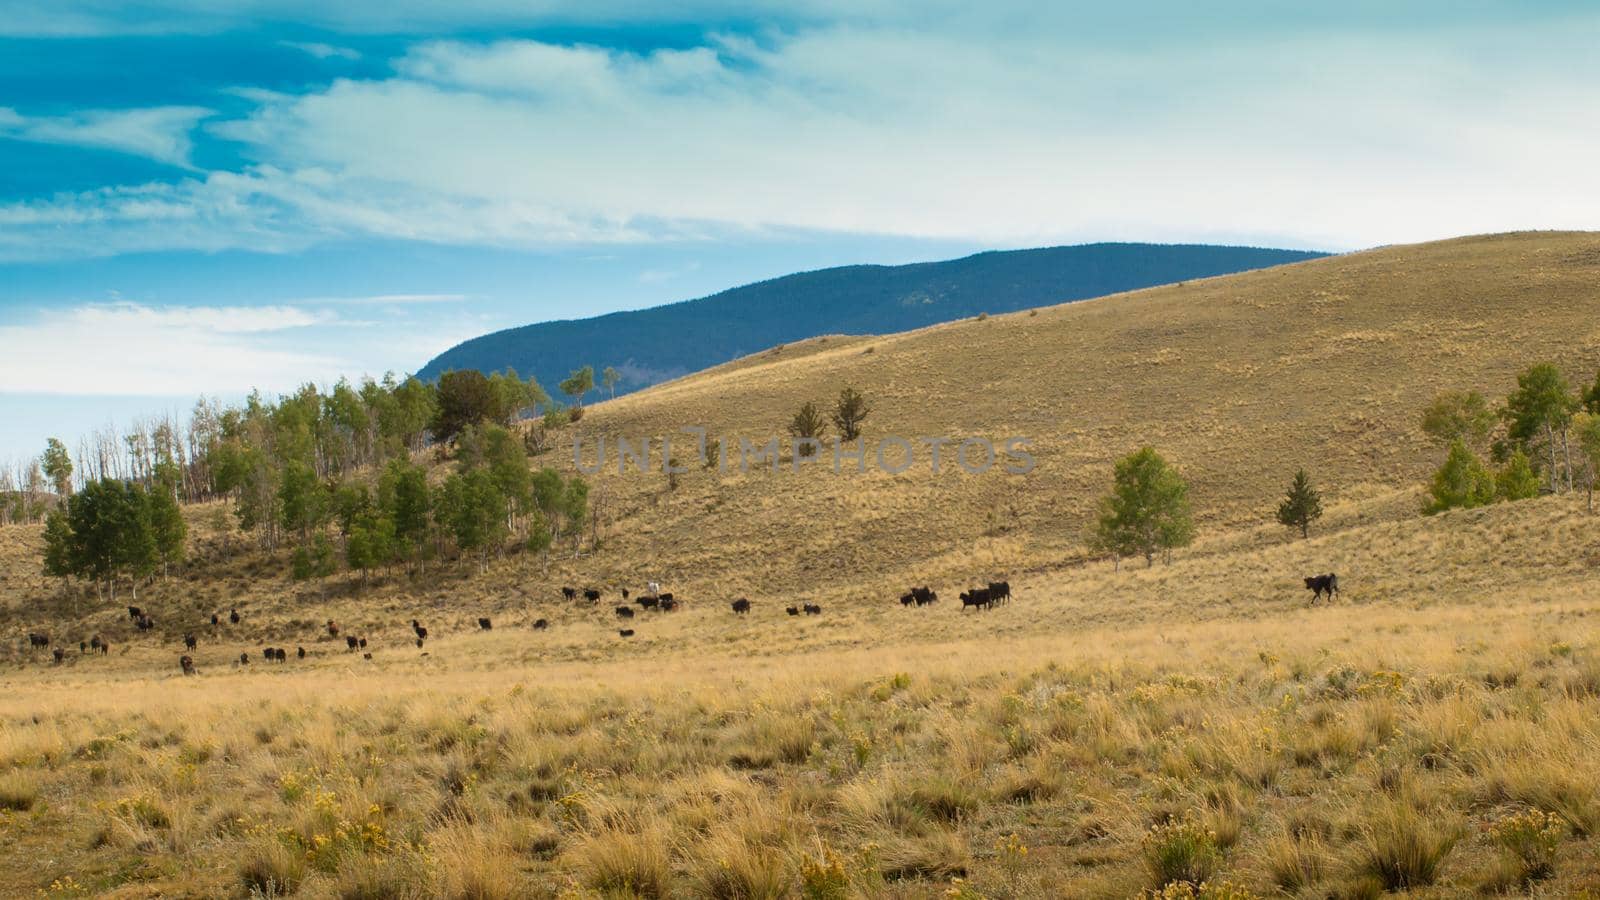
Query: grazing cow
(362, 643)
(269, 654)
(792, 610)
(419, 643)
(333, 628)
(1000, 591)
(649, 602)
(923, 596)
(624, 593)
(189, 642)
(540, 624)
(907, 599)
(366, 656)
(83, 646)
(36, 639)
(624, 612)
(665, 598)
(484, 624)
(215, 620)
(186, 663)
(99, 643)
(350, 643)
(625, 632)
(591, 595)
(300, 652)
(977, 597)
(233, 616)
(244, 659)
(570, 593)
(812, 609)
(146, 623)
(422, 633)
(135, 613)
(281, 655)
(668, 604)
(1322, 584)
(741, 606)
(59, 654)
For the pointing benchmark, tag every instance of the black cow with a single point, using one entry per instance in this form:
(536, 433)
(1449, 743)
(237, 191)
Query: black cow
(668, 604)
(281, 655)
(1000, 591)
(649, 602)
(741, 606)
(922, 596)
(591, 595)
(366, 656)
(484, 624)
(244, 659)
(362, 643)
(186, 663)
(83, 646)
(146, 623)
(624, 612)
(269, 654)
(351, 643)
(333, 628)
(36, 639)
(189, 642)
(792, 610)
(540, 624)
(135, 613)
(811, 609)
(59, 654)
(571, 593)
(666, 597)
(233, 616)
(625, 632)
(907, 599)
(99, 643)
(624, 593)
(977, 597)
(422, 632)
(215, 620)
(300, 652)
(1322, 584)
(419, 643)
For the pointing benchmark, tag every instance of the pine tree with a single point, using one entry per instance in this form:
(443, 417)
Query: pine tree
(1302, 505)
(849, 412)
(807, 427)
(1461, 483)
(1516, 480)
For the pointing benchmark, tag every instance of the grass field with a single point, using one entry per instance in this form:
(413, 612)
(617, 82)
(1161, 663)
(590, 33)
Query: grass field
(1435, 730)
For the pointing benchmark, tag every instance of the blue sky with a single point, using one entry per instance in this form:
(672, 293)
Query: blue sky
(208, 195)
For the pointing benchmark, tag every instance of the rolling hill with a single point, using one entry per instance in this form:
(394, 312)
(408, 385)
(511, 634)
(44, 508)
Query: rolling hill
(651, 345)
(1111, 730)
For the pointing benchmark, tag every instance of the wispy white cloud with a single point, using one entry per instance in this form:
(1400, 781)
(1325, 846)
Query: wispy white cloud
(129, 349)
(321, 50)
(1009, 135)
(132, 349)
(161, 133)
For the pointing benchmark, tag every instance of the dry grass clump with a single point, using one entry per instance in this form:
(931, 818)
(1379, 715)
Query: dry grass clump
(19, 791)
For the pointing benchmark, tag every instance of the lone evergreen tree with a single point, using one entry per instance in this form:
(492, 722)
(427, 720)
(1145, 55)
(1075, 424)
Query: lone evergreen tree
(1302, 505)
(849, 413)
(807, 426)
(1147, 510)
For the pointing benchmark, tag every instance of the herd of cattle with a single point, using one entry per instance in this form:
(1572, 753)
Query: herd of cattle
(984, 598)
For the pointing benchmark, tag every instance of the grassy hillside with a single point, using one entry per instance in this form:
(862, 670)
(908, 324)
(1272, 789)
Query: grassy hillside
(1109, 730)
(647, 346)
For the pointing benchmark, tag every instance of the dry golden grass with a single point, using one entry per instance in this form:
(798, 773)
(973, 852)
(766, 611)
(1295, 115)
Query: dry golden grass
(1433, 731)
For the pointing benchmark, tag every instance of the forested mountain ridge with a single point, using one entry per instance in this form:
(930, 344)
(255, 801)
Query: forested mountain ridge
(652, 345)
